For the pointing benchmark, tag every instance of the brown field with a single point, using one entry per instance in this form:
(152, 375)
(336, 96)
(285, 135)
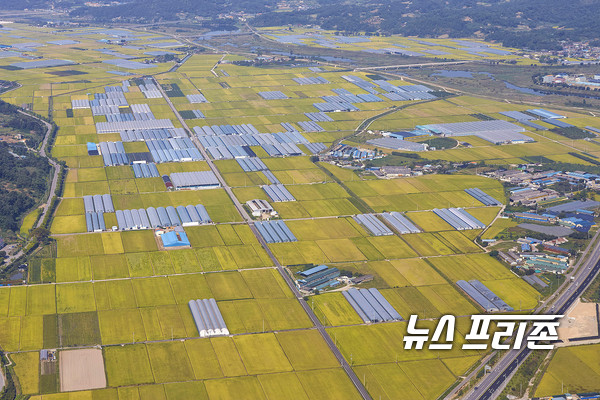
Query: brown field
(580, 321)
(81, 370)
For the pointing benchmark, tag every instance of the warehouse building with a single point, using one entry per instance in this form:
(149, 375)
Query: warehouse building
(318, 278)
(371, 306)
(548, 218)
(92, 149)
(175, 238)
(194, 180)
(528, 196)
(555, 249)
(261, 208)
(495, 131)
(208, 318)
(540, 262)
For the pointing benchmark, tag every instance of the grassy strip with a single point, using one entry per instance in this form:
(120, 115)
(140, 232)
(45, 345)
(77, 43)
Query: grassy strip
(520, 380)
(584, 158)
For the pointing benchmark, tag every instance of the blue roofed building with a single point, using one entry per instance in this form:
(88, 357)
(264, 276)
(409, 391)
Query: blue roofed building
(92, 149)
(577, 223)
(318, 278)
(174, 239)
(313, 270)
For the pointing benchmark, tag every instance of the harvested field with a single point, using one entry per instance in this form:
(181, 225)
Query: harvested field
(81, 370)
(581, 321)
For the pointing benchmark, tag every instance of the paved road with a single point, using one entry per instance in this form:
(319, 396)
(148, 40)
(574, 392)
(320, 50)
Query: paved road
(52, 189)
(1, 379)
(495, 381)
(55, 165)
(319, 326)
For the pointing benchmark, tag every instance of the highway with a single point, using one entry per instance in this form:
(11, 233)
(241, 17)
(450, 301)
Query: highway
(319, 326)
(496, 380)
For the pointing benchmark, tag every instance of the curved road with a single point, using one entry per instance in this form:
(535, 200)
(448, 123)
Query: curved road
(54, 164)
(496, 380)
(52, 189)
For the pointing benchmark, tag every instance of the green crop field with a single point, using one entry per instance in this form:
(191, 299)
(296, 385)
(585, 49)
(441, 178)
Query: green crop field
(572, 369)
(128, 365)
(124, 292)
(261, 354)
(333, 309)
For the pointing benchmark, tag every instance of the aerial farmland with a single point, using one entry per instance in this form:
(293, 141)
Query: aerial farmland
(160, 282)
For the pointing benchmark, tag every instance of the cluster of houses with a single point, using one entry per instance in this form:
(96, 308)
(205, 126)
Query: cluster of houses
(345, 152)
(538, 255)
(579, 220)
(579, 80)
(532, 187)
(526, 176)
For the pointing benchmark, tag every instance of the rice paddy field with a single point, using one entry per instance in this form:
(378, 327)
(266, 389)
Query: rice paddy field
(571, 370)
(435, 48)
(121, 291)
(462, 108)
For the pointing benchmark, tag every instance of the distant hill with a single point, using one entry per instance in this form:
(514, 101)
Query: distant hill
(532, 24)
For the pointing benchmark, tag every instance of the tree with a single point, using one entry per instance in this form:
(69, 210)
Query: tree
(41, 234)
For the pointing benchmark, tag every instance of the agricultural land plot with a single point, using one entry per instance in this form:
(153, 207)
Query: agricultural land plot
(571, 368)
(82, 369)
(116, 308)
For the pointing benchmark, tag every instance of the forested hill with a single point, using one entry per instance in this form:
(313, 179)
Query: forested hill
(532, 24)
(24, 176)
(145, 10)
